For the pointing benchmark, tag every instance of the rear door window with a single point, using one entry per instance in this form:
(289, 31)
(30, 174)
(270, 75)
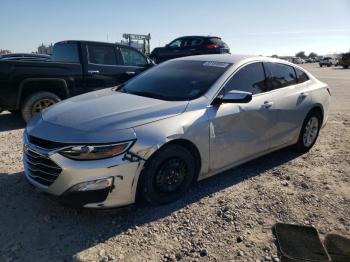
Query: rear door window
(66, 53)
(192, 42)
(301, 76)
(101, 54)
(280, 75)
(251, 78)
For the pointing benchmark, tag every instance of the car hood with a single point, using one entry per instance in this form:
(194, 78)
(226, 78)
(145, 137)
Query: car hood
(110, 110)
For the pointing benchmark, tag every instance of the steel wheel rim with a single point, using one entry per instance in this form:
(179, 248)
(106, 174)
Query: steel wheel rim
(41, 104)
(171, 175)
(310, 132)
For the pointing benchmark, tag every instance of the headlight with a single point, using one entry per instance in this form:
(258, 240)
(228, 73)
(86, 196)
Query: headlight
(94, 152)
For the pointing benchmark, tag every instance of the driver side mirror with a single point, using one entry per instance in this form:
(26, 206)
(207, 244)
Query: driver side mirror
(234, 96)
(167, 45)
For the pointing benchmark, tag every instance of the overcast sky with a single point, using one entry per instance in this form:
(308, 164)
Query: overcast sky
(264, 27)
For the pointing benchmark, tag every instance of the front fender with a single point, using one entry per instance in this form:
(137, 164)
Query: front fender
(192, 126)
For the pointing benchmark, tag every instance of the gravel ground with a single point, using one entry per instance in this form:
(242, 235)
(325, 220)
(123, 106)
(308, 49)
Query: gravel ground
(224, 218)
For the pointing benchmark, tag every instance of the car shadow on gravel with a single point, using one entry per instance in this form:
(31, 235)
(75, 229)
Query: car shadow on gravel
(10, 122)
(35, 228)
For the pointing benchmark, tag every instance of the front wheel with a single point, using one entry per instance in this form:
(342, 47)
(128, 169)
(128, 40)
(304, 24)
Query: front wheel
(167, 175)
(36, 103)
(309, 132)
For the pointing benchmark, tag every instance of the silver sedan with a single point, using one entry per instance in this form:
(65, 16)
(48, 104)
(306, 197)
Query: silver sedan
(184, 120)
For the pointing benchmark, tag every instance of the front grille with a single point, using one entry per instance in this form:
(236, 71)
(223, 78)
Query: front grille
(45, 143)
(41, 169)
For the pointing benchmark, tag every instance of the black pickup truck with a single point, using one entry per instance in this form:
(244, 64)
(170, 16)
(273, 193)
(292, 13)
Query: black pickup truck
(75, 67)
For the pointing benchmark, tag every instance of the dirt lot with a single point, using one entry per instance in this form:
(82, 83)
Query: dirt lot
(227, 217)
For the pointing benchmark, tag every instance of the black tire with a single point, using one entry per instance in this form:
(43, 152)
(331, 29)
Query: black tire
(301, 145)
(29, 107)
(155, 177)
(345, 66)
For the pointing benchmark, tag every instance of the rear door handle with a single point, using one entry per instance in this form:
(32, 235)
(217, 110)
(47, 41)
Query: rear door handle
(268, 104)
(130, 73)
(304, 94)
(93, 72)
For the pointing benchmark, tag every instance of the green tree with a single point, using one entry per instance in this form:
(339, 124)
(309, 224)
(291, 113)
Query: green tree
(274, 56)
(312, 55)
(301, 54)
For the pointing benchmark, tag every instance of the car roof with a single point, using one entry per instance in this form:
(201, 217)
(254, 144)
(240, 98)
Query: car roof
(24, 55)
(225, 58)
(93, 42)
(234, 59)
(199, 36)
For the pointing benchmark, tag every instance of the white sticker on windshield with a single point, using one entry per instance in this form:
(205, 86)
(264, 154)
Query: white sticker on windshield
(216, 64)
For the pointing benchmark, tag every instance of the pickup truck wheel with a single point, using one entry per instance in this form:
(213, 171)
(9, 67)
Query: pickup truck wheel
(36, 103)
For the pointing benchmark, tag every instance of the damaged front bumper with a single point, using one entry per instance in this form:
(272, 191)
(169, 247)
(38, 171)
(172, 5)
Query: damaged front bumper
(104, 183)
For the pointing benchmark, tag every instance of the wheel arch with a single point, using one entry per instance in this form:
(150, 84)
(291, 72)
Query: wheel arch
(190, 146)
(318, 108)
(178, 141)
(30, 86)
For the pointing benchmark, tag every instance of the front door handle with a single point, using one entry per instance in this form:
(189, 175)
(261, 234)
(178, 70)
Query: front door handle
(268, 104)
(130, 73)
(93, 72)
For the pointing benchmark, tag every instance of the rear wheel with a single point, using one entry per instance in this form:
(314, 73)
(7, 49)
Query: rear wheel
(36, 103)
(309, 132)
(167, 175)
(345, 66)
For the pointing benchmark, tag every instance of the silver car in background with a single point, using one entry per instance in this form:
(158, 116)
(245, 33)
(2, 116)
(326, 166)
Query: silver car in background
(181, 121)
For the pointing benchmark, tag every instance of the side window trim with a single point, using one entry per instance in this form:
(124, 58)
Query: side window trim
(271, 74)
(295, 71)
(245, 65)
(222, 87)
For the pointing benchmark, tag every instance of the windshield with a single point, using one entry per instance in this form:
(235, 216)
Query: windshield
(176, 80)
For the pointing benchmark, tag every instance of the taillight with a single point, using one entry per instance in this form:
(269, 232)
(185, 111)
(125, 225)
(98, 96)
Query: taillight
(211, 46)
(329, 91)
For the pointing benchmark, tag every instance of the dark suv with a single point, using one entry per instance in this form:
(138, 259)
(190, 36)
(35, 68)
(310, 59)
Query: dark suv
(345, 60)
(190, 45)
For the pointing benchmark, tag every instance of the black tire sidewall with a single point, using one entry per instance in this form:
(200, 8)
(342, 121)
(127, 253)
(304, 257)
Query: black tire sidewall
(148, 175)
(27, 106)
(300, 145)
